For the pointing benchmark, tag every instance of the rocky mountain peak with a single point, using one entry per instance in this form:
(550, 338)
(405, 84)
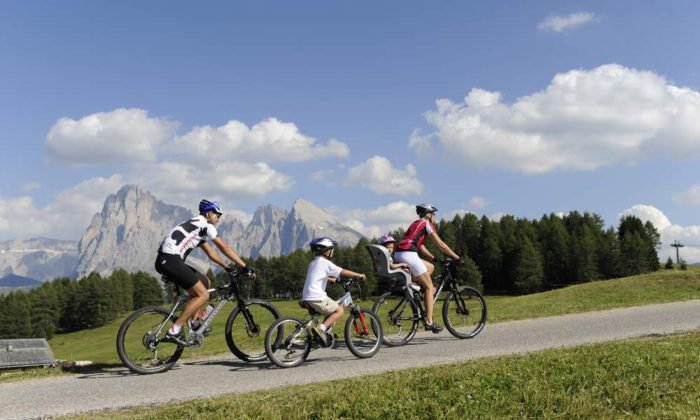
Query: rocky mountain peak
(127, 231)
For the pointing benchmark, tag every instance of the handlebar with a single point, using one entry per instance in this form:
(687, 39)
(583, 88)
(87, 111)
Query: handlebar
(235, 272)
(347, 282)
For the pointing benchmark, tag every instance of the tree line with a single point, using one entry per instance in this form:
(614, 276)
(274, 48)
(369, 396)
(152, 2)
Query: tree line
(508, 256)
(65, 305)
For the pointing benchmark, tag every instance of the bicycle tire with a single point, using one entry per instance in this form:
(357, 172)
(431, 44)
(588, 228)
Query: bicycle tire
(245, 341)
(361, 343)
(398, 329)
(287, 343)
(139, 350)
(464, 312)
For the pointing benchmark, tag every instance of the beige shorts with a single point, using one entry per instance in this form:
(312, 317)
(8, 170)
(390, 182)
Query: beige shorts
(325, 306)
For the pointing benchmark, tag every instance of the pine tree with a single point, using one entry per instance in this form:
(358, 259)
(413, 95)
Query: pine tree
(124, 290)
(489, 256)
(15, 321)
(554, 244)
(468, 273)
(669, 264)
(528, 274)
(147, 290)
(44, 311)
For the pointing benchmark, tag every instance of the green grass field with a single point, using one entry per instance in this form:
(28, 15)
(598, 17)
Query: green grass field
(648, 378)
(98, 345)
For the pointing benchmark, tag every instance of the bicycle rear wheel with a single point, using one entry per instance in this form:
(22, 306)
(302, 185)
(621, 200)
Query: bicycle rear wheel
(246, 327)
(399, 318)
(363, 333)
(464, 312)
(138, 341)
(287, 342)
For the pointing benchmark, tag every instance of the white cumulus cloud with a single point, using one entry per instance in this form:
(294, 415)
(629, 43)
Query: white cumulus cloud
(375, 222)
(686, 235)
(66, 217)
(584, 120)
(478, 202)
(379, 176)
(119, 136)
(267, 141)
(689, 197)
(565, 23)
(177, 182)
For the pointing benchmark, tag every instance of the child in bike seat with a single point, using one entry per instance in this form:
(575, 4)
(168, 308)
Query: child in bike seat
(388, 242)
(321, 271)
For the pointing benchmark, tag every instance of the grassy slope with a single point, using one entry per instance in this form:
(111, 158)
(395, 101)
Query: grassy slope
(649, 377)
(663, 286)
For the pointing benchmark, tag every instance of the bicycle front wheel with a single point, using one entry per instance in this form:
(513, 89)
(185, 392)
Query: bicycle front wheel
(246, 327)
(399, 318)
(139, 342)
(464, 312)
(287, 342)
(363, 333)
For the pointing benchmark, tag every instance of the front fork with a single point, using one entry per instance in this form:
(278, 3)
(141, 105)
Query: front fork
(361, 327)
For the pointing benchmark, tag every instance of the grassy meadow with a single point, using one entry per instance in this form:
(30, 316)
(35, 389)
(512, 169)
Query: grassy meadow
(654, 377)
(98, 345)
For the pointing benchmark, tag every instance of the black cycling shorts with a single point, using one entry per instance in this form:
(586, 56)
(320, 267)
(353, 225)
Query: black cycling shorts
(175, 269)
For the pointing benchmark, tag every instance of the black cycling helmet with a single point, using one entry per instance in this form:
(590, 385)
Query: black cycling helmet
(206, 205)
(322, 244)
(425, 208)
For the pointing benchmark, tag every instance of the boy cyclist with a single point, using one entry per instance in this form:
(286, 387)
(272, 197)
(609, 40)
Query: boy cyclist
(321, 270)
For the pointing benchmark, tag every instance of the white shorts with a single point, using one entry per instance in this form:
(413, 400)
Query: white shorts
(413, 260)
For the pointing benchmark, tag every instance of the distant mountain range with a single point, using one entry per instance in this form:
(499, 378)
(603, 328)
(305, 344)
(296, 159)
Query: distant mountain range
(127, 231)
(13, 280)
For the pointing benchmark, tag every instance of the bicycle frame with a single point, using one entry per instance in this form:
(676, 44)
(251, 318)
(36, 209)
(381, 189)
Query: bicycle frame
(344, 301)
(445, 279)
(228, 292)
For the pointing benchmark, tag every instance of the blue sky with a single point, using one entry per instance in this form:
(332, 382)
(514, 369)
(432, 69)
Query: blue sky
(363, 108)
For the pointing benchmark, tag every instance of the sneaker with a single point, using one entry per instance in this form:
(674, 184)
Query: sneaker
(320, 334)
(178, 338)
(433, 327)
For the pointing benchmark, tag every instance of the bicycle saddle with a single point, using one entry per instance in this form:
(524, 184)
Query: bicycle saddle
(304, 304)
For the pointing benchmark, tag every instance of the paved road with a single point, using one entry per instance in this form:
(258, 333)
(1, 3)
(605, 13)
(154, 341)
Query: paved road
(224, 375)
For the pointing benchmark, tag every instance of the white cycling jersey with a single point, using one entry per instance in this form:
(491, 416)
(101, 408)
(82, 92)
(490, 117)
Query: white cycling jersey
(188, 235)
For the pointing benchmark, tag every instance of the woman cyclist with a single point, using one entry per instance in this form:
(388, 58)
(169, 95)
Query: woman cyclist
(422, 270)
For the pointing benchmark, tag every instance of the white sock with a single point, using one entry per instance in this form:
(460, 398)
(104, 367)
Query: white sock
(323, 327)
(175, 329)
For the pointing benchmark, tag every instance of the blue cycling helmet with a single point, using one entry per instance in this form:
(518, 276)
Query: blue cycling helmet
(206, 205)
(322, 244)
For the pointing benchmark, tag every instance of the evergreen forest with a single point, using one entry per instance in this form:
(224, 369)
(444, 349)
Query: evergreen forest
(508, 256)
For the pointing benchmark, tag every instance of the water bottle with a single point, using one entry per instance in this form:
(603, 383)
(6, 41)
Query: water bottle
(207, 311)
(194, 325)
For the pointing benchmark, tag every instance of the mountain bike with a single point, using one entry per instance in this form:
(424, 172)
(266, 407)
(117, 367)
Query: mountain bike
(463, 311)
(140, 343)
(289, 340)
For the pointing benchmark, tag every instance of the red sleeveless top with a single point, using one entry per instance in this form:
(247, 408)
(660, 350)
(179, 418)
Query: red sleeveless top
(416, 235)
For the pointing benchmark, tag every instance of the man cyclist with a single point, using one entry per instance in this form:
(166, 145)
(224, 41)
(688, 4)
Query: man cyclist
(421, 270)
(173, 252)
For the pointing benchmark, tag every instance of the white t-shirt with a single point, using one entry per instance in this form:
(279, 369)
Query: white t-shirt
(188, 235)
(317, 278)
